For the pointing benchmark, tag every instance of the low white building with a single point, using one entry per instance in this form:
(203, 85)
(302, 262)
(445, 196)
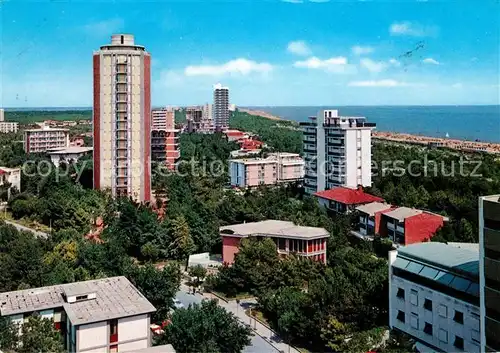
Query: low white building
(11, 176)
(68, 154)
(104, 315)
(8, 126)
(434, 296)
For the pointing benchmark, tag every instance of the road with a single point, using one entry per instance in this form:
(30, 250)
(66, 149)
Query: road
(20, 227)
(258, 344)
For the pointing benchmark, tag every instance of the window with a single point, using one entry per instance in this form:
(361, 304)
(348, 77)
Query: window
(414, 297)
(113, 348)
(443, 310)
(414, 321)
(459, 342)
(401, 316)
(443, 335)
(428, 304)
(81, 297)
(459, 317)
(428, 328)
(401, 293)
(113, 327)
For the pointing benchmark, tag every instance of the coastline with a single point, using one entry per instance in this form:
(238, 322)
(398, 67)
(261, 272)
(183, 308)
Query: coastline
(405, 138)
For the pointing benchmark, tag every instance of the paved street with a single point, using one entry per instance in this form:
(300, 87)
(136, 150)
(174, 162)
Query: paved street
(20, 227)
(258, 345)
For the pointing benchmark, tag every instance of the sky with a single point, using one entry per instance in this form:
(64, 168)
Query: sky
(269, 53)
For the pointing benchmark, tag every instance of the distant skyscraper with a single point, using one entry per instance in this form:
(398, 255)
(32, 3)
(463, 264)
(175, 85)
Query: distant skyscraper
(122, 118)
(337, 151)
(2, 117)
(221, 107)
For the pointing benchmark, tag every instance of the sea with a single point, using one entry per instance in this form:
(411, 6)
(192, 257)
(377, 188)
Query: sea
(465, 122)
(477, 122)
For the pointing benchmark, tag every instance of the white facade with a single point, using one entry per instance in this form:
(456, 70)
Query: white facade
(437, 320)
(6, 127)
(68, 154)
(2, 115)
(11, 176)
(337, 151)
(221, 107)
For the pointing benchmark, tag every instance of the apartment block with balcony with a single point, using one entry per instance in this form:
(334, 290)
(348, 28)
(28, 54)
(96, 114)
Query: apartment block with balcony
(344, 200)
(45, 138)
(404, 226)
(165, 138)
(10, 177)
(434, 296)
(274, 169)
(104, 315)
(489, 257)
(194, 118)
(337, 151)
(369, 219)
(220, 109)
(122, 118)
(309, 242)
(8, 126)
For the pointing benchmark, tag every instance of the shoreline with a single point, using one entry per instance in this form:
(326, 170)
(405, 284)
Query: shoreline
(411, 139)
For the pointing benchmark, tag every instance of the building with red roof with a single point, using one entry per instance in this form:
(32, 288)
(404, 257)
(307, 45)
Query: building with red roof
(344, 199)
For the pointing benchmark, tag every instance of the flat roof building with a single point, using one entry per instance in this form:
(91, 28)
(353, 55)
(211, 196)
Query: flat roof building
(72, 153)
(107, 314)
(434, 296)
(289, 238)
(45, 138)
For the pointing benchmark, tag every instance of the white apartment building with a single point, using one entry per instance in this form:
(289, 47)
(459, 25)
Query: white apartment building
(337, 151)
(221, 107)
(45, 138)
(10, 176)
(8, 126)
(104, 315)
(122, 118)
(207, 121)
(2, 114)
(67, 155)
(434, 296)
(489, 257)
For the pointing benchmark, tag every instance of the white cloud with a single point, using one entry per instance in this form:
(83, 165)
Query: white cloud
(379, 83)
(337, 64)
(238, 66)
(430, 61)
(414, 29)
(359, 50)
(105, 27)
(394, 62)
(373, 66)
(457, 85)
(299, 47)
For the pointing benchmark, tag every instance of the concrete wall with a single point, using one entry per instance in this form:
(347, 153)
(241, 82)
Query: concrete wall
(132, 328)
(93, 335)
(441, 316)
(132, 346)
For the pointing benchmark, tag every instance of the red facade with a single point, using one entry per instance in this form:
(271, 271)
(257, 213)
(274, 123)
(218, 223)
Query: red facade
(421, 228)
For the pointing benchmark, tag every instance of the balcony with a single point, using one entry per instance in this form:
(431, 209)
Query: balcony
(121, 78)
(492, 269)
(492, 330)
(121, 87)
(121, 97)
(121, 107)
(121, 126)
(492, 239)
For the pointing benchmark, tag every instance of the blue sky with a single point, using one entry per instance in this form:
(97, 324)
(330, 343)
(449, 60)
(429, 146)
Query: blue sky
(268, 52)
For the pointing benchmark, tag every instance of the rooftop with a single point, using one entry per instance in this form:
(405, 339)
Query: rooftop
(46, 128)
(4, 170)
(449, 265)
(70, 150)
(115, 297)
(492, 198)
(401, 213)
(275, 228)
(348, 196)
(374, 207)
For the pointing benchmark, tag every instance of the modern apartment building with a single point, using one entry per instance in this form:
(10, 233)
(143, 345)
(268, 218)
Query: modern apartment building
(207, 121)
(401, 225)
(194, 117)
(8, 126)
(220, 108)
(122, 118)
(289, 238)
(45, 138)
(337, 151)
(165, 138)
(104, 315)
(489, 258)
(274, 169)
(2, 115)
(434, 296)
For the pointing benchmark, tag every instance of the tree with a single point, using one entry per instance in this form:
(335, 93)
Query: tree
(158, 286)
(8, 334)
(206, 327)
(39, 335)
(182, 244)
(199, 272)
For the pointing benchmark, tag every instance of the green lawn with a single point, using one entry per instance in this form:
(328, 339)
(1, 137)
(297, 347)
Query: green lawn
(33, 116)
